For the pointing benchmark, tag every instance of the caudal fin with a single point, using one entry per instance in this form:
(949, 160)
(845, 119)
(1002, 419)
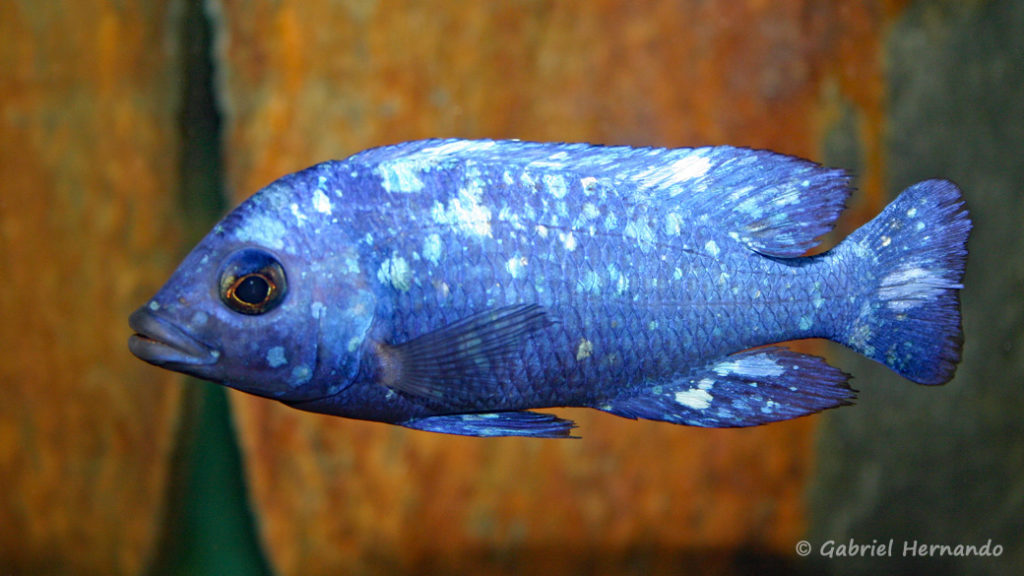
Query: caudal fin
(912, 255)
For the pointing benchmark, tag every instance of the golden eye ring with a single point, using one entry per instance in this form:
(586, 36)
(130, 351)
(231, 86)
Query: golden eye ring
(252, 282)
(252, 291)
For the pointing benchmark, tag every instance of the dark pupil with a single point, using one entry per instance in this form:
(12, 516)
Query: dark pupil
(253, 289)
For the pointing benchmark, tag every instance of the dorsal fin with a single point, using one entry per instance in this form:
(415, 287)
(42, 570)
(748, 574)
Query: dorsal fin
(776, 204)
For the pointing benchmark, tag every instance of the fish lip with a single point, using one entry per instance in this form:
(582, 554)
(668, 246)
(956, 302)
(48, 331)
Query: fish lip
(159, 342)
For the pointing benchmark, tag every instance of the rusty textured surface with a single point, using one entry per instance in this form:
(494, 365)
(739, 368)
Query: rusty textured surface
(308, 81)
(87, 140)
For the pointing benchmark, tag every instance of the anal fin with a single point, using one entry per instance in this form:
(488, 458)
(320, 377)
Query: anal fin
(496, 424)
(744, 389)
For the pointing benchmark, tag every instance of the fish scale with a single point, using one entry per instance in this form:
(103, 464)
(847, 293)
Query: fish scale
(452, 285)
(626, 321)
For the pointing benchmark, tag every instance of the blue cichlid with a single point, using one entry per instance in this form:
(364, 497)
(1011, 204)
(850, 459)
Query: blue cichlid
(451, 285)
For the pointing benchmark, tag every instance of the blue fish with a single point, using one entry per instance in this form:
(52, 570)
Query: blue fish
(453, 285)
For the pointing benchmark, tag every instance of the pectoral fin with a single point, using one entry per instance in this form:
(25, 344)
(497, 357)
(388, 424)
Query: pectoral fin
(460, 359)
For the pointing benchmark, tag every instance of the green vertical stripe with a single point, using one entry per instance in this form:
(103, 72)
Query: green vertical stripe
(209, 527)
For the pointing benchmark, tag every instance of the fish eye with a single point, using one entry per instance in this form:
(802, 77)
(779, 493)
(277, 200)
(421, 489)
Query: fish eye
(253, 289)
(252, 282)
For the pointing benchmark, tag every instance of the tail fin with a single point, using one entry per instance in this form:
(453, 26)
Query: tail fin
(914, 254)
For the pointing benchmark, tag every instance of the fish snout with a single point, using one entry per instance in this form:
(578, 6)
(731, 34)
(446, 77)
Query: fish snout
(162, 343)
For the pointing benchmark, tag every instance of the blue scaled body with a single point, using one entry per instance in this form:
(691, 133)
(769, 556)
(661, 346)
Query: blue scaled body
(453, 285)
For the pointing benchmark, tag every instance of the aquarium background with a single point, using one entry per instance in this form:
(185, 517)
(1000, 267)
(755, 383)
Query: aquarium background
(127, 128)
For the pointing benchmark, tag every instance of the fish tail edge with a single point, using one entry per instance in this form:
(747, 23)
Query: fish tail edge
(915, 252)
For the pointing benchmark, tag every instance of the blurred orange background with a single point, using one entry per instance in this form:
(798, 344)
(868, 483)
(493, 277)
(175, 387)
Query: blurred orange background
(94, 215)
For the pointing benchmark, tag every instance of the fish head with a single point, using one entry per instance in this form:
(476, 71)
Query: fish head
(267, 303)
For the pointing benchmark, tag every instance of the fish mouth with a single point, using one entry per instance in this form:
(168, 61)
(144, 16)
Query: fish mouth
(161, 343)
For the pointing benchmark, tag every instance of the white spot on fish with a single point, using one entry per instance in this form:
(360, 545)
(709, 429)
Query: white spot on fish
(301, 375)
(263, 230)
(396, 272)
(351, 266)
(199, 318)
(755, 366)
(817, 301)
(568, 240)
(806, 322)
(321, 203)
(442, 289)
(555, 185)
(542, 231)
(610, 222)
(912, 212)
(588, 184)
(400, 176)
(584, 350)
(465, 213)
(527, 180)
(589, 282)
(478, 417)
(695, 398)
(712, 248)
(275, 357)
(154, 305)
(618, 279)
(432, 248)
(752, 206)
(642, 233)
(300, 218)
(508, 214)
(861, 333)
(690, 167)
(786, 198)
(516, 265)
(317, 310)
(862, 251)
(353, 343)
(913, 286)
(673, 224)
